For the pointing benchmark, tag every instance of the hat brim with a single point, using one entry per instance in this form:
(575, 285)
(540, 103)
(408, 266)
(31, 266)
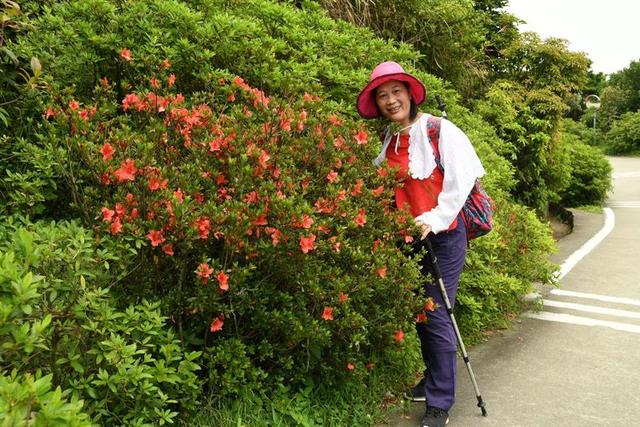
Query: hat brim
(366, 104)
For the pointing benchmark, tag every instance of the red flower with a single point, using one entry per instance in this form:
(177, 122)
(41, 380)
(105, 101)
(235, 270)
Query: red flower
(362, 137)
(327, 313)
(49, 113)
(343, 297)
(338, 142)
(178, 195)
(204, 227)
(350, 366)
(275, 235)
(166, 64)
(378, 191)
(126, 54)
(261, 220)
(204, 271)
(398, 336)
(157, 183)
(172, 79)
(154, 83)
(127, 171)
(216, 324)
(430, 305)
(107, 152)
(421, 317)
(168, 249)
(357, 189)
(156, 237)
(382, 272)
(116, 226)
(131, 100)
(105, 81)
(74, 105)
(370, 365)
(332, 176)
(306, 222)
(361, 219)
(107, 214)
(120, 210)
(223, 281)
(382, 172)
(264, 158)
(307, 243)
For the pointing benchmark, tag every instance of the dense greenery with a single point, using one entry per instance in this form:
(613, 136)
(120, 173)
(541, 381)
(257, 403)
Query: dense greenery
(214, 231)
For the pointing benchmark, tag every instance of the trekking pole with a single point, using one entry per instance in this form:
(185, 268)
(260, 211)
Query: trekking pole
(447, 304)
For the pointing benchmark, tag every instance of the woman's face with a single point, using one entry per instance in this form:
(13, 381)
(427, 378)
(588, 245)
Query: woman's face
(394, 101)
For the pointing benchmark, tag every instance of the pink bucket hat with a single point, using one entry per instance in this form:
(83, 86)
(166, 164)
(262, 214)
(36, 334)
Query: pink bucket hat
(366, 104)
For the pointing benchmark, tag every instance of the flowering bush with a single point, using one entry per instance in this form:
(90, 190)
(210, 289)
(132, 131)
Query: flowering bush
(265, 228)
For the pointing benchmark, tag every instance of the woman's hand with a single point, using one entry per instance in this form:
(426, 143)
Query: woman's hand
(424, 228)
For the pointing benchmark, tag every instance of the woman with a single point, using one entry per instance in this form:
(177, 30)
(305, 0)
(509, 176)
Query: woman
(433, 187)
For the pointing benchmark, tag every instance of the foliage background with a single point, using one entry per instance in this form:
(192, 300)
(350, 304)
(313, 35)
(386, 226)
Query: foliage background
(276, 355)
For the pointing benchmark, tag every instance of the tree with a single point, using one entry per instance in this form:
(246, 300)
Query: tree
(629, 80)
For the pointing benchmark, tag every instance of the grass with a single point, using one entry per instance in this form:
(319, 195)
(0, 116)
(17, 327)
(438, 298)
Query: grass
(597, 209)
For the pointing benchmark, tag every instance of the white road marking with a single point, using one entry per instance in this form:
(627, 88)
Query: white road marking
(592, 309)
(623, 204)
(584, 321)
(574, 258)
(605, 298)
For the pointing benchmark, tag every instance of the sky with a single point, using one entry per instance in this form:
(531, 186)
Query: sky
(607, 31)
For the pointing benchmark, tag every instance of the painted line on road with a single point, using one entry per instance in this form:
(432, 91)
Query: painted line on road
(598, 297)
(583, 321)
(623, 204)
(591, 309)
(574, 258)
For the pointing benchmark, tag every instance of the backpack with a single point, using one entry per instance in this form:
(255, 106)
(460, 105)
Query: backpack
(477, 211)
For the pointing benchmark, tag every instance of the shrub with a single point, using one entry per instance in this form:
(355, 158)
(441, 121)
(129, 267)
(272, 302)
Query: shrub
(590, 175)
(126, 365)
(624, 136)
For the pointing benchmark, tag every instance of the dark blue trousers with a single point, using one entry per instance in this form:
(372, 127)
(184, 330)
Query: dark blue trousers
(438, 341)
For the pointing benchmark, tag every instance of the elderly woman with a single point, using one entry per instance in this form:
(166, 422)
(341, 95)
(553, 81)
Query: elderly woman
(436, 168)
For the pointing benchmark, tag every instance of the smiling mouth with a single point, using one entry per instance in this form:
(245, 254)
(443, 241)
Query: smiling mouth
(393, 110)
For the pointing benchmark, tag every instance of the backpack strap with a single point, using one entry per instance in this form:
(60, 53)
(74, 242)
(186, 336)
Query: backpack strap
(433, 132)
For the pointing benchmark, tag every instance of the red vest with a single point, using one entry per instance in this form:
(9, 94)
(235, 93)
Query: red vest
(416, 196)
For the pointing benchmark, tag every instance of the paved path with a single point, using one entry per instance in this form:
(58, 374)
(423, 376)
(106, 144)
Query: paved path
(575, 363)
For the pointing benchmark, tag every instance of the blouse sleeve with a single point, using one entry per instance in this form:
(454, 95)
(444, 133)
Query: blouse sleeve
(461, 169)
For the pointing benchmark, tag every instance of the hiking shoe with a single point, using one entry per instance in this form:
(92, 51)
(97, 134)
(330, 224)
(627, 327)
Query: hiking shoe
(416, 393)
(435, 417)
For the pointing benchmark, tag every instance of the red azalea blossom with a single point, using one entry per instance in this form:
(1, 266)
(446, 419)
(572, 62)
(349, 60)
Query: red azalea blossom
(156, 237)
(172, 79)
(357, 189)
(105, 81)
(134, 213)
(398, 336)
(264, 158)
(261, 220)
(275, 235)
(204, 272)
(166, 64)
(74, 105)
(216, 324)
(168, 249)
(154, 83)
(421, 317)
(120, 210)
(107, 214)
(382, 272)
(382, 172)
(332, 176)
(307, 243)
(327, 313)
(370, 365)
(361, 219)
(378, 191)
(362, 137)
(49, 113)
(157, 183)
(306, 221)
(107, 152)
(126, 54)
(178, 195)
(223, 281)
(408, 238)
(350, 366)
(343, 297)
(204, 227)
(430, 305)
(116, 226)
(127, 171)
(131, 100)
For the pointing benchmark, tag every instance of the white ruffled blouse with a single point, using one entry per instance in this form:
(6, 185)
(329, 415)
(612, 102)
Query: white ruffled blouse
(460, 162)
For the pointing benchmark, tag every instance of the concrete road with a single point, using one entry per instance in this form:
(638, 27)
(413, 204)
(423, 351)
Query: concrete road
(575, 363)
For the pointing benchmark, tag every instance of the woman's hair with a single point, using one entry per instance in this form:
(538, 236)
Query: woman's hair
(413, 108)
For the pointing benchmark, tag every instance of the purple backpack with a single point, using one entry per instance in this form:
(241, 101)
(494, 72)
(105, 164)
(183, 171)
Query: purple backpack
(477, 211)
